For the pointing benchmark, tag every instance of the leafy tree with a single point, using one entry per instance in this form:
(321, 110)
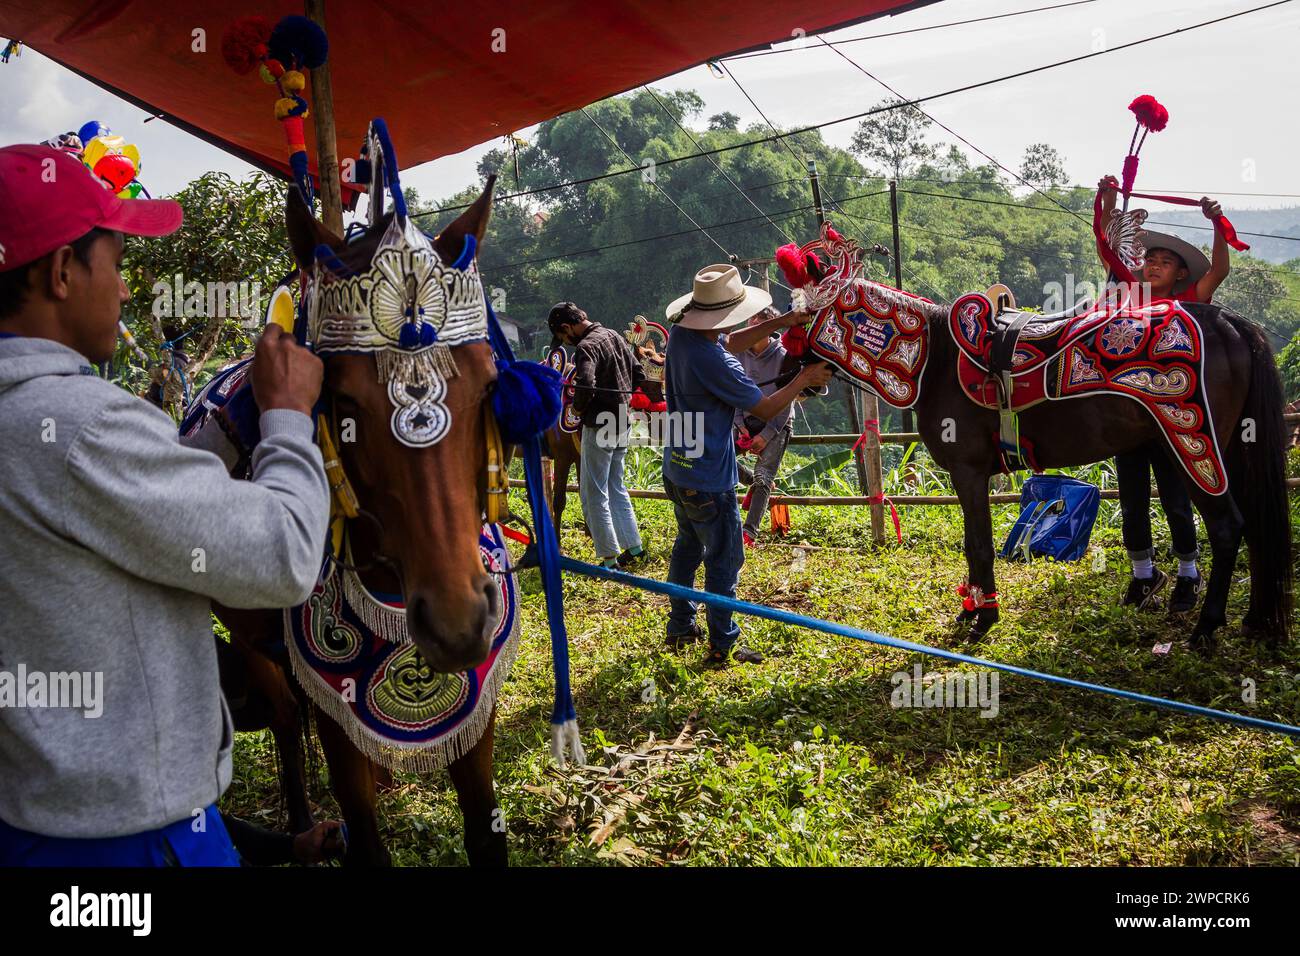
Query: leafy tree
(1043, 166)
(233, 233)
(724, 121)
(895, 138)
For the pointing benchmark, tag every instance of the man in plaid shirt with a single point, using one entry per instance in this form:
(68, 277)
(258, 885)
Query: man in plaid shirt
(607, 373)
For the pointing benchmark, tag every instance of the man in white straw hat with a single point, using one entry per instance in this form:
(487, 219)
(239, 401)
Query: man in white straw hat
(1174, 269)
(706, 384)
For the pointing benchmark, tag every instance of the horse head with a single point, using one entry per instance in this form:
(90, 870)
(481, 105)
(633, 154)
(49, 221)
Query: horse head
(876, 334)
(400, 321)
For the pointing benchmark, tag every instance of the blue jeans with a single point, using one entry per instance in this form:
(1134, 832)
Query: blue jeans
(708, 532)
(606, 505)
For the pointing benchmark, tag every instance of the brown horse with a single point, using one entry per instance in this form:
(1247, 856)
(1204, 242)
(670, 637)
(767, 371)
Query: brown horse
(1244, 397)
(421, 541)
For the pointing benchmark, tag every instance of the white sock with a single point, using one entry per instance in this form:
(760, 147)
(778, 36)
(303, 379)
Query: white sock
(1187, 569)
(1143, 568)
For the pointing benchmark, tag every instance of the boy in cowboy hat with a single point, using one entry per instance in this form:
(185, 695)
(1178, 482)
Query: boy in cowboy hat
(706, 384)
(115, 538)
(1175, 269)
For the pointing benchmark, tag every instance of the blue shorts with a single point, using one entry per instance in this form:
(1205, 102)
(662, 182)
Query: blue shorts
(176, 844)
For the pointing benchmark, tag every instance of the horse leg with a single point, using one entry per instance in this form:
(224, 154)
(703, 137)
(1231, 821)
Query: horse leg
(269, 681)
(1225, 525)
(485, 832)
(972, 484)
(352, 779)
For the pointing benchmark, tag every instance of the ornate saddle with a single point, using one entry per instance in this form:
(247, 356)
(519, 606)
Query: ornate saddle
(1149, 352)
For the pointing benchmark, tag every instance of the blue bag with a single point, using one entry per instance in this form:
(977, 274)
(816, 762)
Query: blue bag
(1056, 519)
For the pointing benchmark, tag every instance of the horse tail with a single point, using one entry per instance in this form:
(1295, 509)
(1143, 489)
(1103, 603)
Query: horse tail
(1264, 503)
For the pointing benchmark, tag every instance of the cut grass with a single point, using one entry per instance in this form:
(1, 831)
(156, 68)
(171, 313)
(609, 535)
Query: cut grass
(802, 760)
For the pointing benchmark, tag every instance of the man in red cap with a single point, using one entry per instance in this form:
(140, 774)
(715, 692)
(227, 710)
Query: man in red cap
(115, 538)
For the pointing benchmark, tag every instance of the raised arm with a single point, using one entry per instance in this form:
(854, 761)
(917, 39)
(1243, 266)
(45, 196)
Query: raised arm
(737, 342)
(1220, 264)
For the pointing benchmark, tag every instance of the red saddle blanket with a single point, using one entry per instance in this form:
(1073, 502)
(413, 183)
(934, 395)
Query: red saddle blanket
(1150, 353)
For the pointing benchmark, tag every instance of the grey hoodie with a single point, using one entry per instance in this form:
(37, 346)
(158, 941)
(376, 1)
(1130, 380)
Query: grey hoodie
(114, 540)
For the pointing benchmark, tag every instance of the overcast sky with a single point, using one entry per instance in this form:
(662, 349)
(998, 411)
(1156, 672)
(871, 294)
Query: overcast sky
(1231, 90)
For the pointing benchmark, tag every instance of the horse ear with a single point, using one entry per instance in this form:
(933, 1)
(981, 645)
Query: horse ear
(472, 222)
(306, 232)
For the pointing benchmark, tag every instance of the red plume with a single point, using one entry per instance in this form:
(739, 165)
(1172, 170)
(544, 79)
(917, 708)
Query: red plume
(639, 402)
(832, 234)
(792, 266)
(795, 340)
(244, 43)
(1150, 113)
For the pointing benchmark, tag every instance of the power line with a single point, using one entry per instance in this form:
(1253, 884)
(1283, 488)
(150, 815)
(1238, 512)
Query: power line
(944, 126)
(654, 182)
(871, 112)
(716, 164)
(899, 33)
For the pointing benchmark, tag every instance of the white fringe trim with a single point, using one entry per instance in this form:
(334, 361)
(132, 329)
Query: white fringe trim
(419, 758)
(564, 737)
(382, 620)
(416, 368)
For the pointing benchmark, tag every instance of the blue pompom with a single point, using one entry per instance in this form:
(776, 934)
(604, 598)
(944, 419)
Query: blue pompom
(298, 41)
(90, 130)
(409, 336)
(526, 399)
(428, 334)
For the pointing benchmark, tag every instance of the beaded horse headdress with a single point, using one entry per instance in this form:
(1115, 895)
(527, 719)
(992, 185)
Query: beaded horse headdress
(407, 309)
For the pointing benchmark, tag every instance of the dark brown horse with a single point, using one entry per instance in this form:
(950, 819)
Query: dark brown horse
(428, 503)
(1244, 397)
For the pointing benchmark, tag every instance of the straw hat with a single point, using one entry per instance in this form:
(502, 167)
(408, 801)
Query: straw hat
(1195, 260)
(718, 302)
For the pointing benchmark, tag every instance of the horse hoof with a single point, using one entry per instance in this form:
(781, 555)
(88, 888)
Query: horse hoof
(1204, 643)
(965, 618)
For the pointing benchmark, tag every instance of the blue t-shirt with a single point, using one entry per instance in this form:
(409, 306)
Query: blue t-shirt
(706, 385)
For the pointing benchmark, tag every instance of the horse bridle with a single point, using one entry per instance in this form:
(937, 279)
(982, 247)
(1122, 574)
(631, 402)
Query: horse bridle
(346, 506)
(409, 311)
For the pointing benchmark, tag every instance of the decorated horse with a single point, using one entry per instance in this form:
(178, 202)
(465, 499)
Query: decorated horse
(649, 341)
(996, 389)
(414, 621)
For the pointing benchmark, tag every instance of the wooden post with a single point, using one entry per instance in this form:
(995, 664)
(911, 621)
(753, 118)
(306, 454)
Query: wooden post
(867, 456)
(327, 154)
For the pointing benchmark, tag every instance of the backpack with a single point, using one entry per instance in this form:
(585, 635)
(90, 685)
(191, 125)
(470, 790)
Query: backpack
(1056, 519)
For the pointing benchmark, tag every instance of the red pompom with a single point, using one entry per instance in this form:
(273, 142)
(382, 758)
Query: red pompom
(658, 407)
(244, 43)
(639, 402)
(1150, 113)
(795, 340)
(792, 266)
(832, 234)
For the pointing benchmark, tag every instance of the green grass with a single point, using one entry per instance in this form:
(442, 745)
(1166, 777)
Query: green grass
(803, 761)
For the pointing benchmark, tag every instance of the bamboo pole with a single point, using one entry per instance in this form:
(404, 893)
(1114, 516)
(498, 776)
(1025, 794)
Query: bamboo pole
(327, 155)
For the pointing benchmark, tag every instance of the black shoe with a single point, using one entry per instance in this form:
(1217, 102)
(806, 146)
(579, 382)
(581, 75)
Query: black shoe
(1142, 591)
(676, 642)
(739, 655)
(627, 559)
(1186, 591)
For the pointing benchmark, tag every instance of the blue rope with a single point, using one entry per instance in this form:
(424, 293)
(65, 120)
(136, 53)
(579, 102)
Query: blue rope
(843, 630)
(544, 539)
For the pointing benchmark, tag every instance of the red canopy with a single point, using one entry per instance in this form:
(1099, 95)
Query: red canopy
(431, 69)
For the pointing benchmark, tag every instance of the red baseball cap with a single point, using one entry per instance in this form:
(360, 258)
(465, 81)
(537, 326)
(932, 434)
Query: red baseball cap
(48, 198)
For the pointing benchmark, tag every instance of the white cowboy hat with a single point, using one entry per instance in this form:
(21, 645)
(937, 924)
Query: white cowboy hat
(1195, 260)
(719, 301)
